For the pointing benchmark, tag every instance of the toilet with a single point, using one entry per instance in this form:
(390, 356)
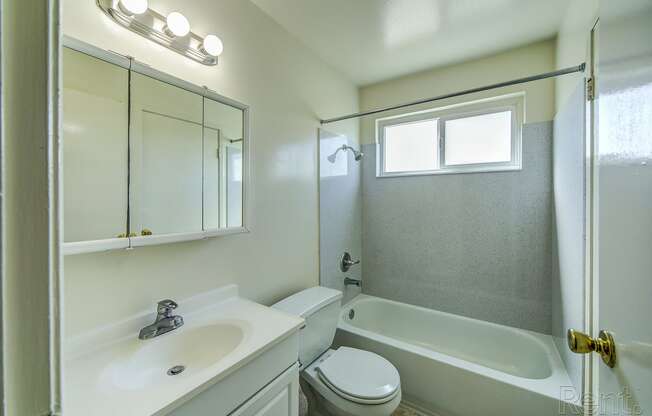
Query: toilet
(344, 381)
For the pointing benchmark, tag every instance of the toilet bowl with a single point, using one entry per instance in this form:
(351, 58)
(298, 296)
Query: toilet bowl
(352, 382)
(344, 381)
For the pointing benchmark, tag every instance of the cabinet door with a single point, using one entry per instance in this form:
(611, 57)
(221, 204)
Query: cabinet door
(223, 165)
(95, 148)
(279, 398)
(166, 158)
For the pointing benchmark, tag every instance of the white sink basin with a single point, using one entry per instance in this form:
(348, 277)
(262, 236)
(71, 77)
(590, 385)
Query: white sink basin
(145, 363)
(109, 371)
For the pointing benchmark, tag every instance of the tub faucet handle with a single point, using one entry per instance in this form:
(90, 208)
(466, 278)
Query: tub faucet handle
(347, 261)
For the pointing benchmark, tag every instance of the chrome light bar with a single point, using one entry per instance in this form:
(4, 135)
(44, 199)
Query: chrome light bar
(150, 25)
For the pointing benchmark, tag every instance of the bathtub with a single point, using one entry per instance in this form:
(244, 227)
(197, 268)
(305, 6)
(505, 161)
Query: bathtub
(456, 366)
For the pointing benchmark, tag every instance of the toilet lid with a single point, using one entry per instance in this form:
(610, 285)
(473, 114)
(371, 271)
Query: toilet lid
(360, 376)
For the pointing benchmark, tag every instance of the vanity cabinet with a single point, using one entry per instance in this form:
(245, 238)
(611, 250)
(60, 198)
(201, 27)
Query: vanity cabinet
(279, 398)
(267, 386)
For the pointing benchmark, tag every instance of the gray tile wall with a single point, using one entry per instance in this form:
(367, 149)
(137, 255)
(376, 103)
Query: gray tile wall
(477, 245)
(568, 229)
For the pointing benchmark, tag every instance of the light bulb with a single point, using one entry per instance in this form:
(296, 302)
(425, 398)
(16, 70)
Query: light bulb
(177, 24)
(212, 45)
(131, 7)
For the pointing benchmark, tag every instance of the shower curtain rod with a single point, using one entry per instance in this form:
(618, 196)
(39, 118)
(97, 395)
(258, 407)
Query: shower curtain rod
(569, 70)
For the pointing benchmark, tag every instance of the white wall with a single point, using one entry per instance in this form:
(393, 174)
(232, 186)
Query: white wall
(288, 89)
(520, 62)
(572, 44)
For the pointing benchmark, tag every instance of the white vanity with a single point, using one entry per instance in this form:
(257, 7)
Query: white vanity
(151, 159)
(238, 358)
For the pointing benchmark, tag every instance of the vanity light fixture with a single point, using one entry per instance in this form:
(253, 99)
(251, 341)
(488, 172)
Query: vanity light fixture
(132, 7)
(176, 24)
(212, 45)
(172, 31)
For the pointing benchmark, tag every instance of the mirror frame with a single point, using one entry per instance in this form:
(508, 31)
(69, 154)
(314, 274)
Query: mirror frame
(132, 64)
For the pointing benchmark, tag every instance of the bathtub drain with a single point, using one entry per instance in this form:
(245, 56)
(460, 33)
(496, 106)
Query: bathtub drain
(351, 314)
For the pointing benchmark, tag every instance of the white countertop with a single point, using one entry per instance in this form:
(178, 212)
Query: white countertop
(111, 372)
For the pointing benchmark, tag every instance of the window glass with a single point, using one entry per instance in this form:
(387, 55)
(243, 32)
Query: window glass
(485, 138)
(411, 147)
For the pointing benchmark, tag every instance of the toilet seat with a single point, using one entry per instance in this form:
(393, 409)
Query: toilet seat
(359, 376)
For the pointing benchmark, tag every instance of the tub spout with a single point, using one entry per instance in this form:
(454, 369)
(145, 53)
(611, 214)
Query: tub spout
(352, 282)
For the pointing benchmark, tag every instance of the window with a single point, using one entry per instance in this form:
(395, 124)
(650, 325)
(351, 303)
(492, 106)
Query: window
(411, 146)
(483, 136)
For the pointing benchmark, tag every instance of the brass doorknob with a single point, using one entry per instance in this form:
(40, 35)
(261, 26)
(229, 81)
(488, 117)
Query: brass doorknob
(604, 345)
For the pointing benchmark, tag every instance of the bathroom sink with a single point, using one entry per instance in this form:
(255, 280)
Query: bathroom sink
(223, 334)
(167, 358)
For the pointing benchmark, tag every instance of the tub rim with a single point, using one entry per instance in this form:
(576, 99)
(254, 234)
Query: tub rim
(550, 386)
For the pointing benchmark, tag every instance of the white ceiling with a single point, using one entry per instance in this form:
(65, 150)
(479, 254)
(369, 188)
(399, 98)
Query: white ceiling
(374, 40)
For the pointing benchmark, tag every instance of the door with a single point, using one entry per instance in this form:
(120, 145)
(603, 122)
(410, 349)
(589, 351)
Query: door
(170, 197)
(622, 200)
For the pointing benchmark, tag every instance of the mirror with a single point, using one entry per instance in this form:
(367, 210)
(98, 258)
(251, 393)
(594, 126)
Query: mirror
(95, 148)
(148, 158)
(223, 167)
(165, 193)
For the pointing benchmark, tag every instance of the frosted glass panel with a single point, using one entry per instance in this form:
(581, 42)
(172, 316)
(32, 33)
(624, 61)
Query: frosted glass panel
(411, 146)
(480, 139)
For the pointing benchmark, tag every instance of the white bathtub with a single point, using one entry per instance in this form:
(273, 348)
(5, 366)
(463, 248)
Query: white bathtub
(456, 366)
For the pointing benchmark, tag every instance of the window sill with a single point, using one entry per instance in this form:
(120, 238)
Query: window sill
(452, 171)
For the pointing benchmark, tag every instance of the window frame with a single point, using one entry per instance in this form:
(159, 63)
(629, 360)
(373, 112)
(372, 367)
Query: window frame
(514, 103)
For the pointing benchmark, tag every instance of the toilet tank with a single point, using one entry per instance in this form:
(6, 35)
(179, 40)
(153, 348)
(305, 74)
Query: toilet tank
(320, 307)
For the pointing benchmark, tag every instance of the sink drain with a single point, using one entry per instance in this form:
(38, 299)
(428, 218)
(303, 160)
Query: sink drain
(351, 314)
(177, 369)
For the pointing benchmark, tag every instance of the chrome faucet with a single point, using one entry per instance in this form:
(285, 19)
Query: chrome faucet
(165, 321)
(352, 282)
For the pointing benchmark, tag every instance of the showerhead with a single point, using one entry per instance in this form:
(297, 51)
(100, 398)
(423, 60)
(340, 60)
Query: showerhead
(357, 155)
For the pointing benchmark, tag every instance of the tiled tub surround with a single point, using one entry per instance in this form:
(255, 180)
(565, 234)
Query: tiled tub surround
(476, 245)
